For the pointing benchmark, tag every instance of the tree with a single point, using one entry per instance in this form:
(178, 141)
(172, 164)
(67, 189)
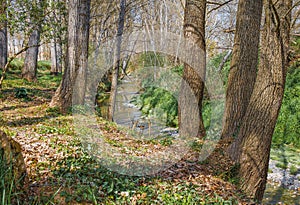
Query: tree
(194, 31)
(29, 70)
(36, 18)
(252, 145)
(3, 34)
(57, 34)
(243, 65)
(76, 57)
(115, 74)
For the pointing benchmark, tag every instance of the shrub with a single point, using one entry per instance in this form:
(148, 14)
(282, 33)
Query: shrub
(287, 129)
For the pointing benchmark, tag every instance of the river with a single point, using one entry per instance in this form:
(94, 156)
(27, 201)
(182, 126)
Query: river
(282, 187)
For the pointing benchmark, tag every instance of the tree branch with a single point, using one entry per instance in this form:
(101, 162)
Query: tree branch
(219, 5)
(5, 69)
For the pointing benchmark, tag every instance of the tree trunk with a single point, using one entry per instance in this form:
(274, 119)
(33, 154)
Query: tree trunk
(3, 35)
(252, 147)
(115, 74)
(243, 65)
(59, 56)
(29, 70)
(53, 51)
(74, 77)
(193, 78)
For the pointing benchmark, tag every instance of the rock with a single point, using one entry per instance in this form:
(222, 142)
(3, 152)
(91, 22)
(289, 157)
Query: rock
(283, 176)
(11, 154)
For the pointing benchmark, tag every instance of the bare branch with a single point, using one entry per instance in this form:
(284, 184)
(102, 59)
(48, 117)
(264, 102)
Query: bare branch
(219, 5)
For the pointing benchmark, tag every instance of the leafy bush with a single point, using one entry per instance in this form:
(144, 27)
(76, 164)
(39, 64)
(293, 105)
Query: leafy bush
(157, 102)
(287, 130)
(215, 62)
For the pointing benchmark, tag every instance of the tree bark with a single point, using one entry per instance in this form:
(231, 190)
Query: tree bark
(53, 51)
(251, 149)
(29, 70)
(59, 56)
(193, 78)
(243, 65)
(11, 156)
(3, 36)
(115, 74)
(74, 77)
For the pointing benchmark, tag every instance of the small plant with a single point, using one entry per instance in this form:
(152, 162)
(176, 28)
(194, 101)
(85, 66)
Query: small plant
(281, 165)
(294, 170)
(232, 174)
(21, 93)
(167, 141)
(196, 145)
(55, 111)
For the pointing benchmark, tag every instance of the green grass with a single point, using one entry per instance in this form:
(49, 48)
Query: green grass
(8, 193)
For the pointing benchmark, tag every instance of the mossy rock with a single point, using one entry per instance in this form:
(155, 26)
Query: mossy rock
(11, 157)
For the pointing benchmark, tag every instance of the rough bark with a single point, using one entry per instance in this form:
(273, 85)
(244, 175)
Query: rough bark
(115, 73)
(193, 78)
(243, 65)
(3, 35)
(74, 77)
(252, 147)
(11, 154)
(29, 69)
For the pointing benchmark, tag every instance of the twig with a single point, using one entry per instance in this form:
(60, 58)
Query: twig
(219, 5)
(5, 69)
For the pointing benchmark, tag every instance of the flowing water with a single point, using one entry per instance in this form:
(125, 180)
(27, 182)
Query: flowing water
(129, 116)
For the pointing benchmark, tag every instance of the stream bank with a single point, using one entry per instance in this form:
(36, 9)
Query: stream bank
(282, 187)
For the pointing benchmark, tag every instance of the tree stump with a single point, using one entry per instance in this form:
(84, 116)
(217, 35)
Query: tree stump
(12, 159)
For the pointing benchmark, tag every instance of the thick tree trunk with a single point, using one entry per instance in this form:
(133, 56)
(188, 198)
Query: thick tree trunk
(193, 78)
(29, 70)
(3, 36)
(252, 147)
(115, 74)
(243, 65)
(74, 77)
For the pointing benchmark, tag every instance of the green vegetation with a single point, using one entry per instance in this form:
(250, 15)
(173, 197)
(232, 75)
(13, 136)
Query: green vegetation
(162, 104)
(282, 165)
(62, 172)
(287, 130)
(8, 193)
(157, 102)
(294, 170)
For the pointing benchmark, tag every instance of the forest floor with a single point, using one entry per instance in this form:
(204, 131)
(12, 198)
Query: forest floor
(60, 171)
